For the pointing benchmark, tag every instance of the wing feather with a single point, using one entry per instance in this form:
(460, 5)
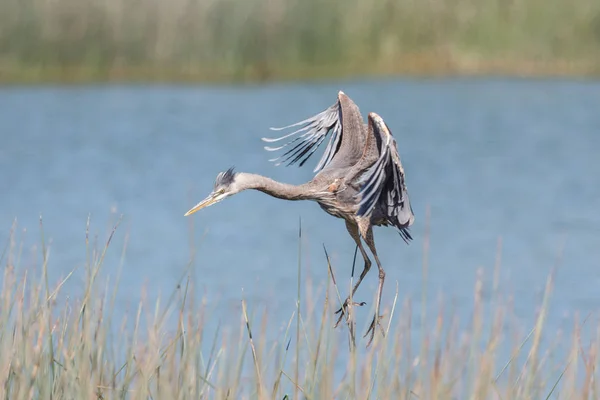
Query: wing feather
(307, 139)
(384, 183)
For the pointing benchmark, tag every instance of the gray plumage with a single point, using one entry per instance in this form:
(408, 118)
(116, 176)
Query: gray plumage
(359, 178)
(224, 178)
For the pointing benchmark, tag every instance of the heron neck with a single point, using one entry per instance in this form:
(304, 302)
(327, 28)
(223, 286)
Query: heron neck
(276, 189)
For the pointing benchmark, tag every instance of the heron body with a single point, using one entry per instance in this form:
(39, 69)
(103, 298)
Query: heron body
(359, 178)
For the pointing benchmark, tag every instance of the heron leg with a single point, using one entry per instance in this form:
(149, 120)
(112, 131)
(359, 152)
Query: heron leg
(353, 231)
(371, 243)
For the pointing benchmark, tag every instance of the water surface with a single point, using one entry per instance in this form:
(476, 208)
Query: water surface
(493, 158)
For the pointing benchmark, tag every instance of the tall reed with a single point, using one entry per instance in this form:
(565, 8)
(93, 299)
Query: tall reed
(56, 346)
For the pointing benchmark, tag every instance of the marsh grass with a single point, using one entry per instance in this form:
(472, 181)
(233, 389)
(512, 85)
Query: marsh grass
(54, 346)
(240, 40)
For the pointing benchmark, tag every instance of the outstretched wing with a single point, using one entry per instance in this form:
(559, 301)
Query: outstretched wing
(314, 130)
(384, 182)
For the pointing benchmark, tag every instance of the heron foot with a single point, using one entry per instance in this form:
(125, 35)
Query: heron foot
(376, 322)
(344, 310)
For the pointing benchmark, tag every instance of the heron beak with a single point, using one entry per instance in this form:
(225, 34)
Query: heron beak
(210, 200)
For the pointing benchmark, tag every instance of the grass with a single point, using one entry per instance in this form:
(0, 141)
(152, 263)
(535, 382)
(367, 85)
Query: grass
(53, 346)
(249, 40)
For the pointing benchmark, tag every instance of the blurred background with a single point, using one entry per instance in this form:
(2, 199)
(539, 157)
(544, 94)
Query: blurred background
(224, 40)
(170, 93)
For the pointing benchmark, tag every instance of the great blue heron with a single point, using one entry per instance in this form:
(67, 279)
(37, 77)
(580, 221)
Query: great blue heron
(359, 178)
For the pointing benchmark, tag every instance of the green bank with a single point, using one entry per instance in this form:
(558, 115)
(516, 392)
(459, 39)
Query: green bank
(257, 40)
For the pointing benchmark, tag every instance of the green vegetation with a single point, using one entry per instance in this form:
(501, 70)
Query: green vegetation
(240, 40)
(74, 349)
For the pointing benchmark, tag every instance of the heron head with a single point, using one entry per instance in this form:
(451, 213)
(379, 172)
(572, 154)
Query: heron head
(224, 187)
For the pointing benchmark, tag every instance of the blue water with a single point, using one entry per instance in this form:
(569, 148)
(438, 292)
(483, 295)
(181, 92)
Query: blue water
(491, 158)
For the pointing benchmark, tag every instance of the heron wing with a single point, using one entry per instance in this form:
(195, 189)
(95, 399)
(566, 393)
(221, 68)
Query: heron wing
(384, 182)
(311, 132)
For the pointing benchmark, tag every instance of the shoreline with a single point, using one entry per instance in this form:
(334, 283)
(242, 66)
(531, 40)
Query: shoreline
(417, 66)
